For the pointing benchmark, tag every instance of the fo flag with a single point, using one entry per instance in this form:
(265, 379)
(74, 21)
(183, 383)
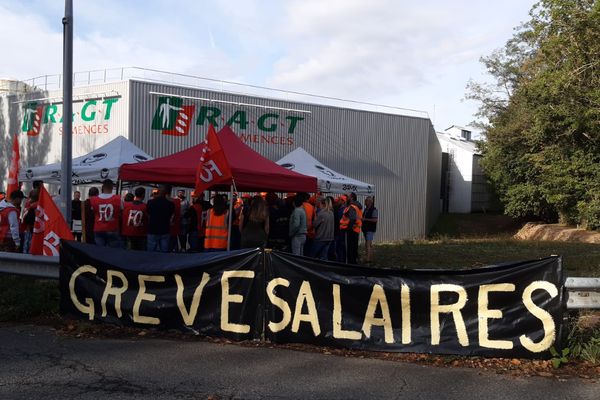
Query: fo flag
(49, 228)
(13, 171)
(213, 168)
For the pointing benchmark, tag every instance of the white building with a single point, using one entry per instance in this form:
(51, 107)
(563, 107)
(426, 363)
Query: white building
(464, 186)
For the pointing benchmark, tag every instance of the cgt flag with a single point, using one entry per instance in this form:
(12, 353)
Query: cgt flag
(213, 168)
(13, 171)
(49, 228)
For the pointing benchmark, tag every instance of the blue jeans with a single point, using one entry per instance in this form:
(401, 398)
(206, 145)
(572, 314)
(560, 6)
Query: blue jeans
(27, 241)
(108, 239)
(320, 249)
(298, 244)
(159, 242)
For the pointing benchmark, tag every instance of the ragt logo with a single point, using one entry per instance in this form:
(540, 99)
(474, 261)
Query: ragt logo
(172, 117)
(32, 120)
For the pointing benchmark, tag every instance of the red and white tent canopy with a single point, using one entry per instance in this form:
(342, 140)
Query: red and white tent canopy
(250, 170)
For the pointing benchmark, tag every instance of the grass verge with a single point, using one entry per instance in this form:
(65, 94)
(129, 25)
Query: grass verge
(23, 298)
(579, 259)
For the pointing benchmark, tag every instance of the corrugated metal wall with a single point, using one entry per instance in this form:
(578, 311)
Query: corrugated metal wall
(434, 179)
(395, 153)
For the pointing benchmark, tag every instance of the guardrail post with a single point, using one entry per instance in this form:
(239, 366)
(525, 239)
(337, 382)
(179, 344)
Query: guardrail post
(583, 293)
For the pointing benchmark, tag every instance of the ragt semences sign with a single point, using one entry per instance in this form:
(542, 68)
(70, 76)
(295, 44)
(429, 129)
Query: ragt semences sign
(174, 118)
(92, 117)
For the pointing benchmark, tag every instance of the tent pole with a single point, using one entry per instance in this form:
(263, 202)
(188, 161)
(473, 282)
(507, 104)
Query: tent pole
(230, 216)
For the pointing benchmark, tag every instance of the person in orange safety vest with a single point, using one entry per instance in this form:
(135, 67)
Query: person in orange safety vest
(217, 230)
(350, 225)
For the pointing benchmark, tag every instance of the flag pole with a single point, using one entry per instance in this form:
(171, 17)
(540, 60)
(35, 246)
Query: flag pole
(230, 222)
(67, 138)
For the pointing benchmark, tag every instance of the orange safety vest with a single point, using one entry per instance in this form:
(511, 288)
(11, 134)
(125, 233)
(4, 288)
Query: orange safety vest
(309, 210)
(216, 231)
(345, 220)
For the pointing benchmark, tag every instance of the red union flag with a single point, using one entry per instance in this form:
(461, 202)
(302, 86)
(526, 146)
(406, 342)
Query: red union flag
(49, 227)
(13, 170)
(213, 167)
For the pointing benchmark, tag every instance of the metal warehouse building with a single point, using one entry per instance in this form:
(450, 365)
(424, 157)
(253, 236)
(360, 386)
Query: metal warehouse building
(398, 153)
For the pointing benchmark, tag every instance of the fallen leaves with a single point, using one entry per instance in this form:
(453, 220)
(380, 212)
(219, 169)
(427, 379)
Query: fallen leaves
(507, 366)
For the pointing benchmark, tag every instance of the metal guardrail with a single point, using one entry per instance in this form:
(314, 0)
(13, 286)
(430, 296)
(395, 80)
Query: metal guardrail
(28, 265)
(582, 293)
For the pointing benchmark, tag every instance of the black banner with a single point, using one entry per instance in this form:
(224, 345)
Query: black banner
(216, 294)
(500, 311)
(505, 310)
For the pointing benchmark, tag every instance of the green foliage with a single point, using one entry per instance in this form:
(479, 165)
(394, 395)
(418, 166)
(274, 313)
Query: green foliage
(543, 115)
(590, 213)
(584, 343)
(24, 297)
(561, 358)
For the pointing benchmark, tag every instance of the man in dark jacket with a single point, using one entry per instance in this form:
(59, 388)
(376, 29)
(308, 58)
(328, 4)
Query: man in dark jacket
(160, 210)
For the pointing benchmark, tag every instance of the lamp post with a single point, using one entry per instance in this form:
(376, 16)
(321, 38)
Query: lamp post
(67, 139)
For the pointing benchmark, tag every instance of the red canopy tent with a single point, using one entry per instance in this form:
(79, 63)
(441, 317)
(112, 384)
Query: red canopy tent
(250, 170)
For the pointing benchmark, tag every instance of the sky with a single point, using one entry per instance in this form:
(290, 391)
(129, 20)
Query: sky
(416, 55)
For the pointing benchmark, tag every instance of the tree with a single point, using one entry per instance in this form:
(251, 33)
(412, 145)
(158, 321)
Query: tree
(541, 116)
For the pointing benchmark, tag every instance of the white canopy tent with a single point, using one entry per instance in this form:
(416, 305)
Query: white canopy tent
(102, 163)
(328, 180)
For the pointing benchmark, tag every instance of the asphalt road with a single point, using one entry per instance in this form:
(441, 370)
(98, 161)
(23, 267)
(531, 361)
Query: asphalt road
(35, 363)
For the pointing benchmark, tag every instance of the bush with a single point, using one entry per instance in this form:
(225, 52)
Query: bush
(590, 213)
(584, 343)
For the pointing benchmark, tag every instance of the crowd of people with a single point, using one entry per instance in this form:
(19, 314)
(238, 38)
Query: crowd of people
(317, 226)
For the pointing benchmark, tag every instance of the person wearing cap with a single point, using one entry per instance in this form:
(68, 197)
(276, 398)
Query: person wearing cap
(10, 238)
(107, 216)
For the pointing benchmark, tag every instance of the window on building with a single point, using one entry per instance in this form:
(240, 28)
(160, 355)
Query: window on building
(465, 134)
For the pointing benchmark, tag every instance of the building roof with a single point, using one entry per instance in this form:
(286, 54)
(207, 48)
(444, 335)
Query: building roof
(468, 145)
(462, 128)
